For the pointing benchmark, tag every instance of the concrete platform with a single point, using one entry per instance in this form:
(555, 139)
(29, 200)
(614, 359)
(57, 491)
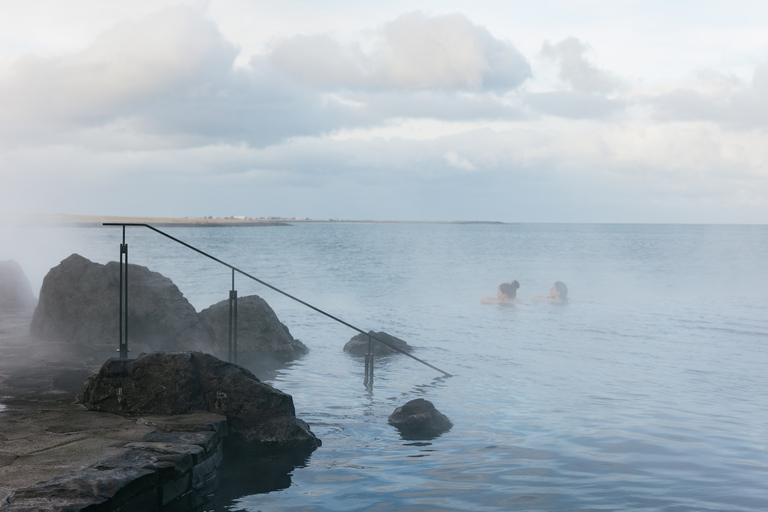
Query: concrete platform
(55, 455)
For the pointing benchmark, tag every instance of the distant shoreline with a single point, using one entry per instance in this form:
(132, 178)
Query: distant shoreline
(98, 220)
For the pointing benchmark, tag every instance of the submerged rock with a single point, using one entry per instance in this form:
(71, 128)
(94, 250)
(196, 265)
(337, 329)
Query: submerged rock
(15, 290)
(184, 382)
(418, 419)
(79, 305)
(259, 332)
(358, 345)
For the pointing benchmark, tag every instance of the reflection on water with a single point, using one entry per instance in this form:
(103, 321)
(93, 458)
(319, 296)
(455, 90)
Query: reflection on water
(247, 472)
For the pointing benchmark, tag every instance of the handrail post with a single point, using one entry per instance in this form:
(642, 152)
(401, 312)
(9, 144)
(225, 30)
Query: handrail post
(368, 381)
(233, 321)
(123, 302)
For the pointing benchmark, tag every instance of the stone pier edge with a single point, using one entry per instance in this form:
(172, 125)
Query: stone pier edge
(171, 469)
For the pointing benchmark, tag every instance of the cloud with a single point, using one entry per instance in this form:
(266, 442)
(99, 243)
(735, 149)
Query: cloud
(576, 70)
(712, 96)
(159, 106)
(458, 161)
(169, 80)
(574, 171)
(574, 105)
(175, 52)
(414, 52)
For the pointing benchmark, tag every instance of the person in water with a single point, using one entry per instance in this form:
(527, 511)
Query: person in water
(506, 294)
(558, 293)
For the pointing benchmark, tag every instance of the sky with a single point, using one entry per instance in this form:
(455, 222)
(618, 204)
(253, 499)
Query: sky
(490, 110)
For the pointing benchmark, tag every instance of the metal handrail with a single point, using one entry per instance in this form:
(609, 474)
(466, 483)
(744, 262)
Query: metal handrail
(235, 269)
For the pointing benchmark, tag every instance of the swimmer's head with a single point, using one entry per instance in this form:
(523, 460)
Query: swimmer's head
(509, 289)
(561, 289)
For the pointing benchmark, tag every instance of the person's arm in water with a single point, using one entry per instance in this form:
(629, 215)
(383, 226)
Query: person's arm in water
(554, 296)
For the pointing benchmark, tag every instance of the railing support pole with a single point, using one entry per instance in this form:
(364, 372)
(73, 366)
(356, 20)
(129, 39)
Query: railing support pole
(368, 381)
(123, 302)
(233, 322)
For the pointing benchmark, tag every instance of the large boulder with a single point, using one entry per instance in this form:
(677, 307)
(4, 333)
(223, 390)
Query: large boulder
(358, 345)
(260, 334)
(15, 290)
(419, 420)
(185, 382)
(79, 305)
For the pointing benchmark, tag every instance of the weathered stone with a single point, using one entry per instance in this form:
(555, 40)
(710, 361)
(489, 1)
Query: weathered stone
(418, 419)
(208, 441)
(79, 306)
(183, 382)
(88, 487)
(260, 333)
(15, 290)
(358, 345)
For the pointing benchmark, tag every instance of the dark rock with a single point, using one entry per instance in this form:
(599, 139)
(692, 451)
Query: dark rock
(183, 382)
(15, 290)
(259, 332)
(418, 419)
(79, 306)
(358, 345)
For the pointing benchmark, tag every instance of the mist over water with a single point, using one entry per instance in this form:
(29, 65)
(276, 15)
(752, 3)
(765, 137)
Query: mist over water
(645, 392)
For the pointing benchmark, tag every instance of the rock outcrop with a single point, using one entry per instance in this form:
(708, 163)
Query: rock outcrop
(358, 345)
(15, 290)
(184, 382)
(259, 332)
(418, 419)
(79, 305)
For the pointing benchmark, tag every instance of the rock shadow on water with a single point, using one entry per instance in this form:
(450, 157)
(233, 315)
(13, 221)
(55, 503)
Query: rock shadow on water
(247, 471)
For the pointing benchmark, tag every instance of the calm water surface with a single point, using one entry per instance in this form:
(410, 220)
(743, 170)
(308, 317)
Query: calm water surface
(646, 392)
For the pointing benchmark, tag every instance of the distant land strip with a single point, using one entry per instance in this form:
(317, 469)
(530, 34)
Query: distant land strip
(234, 221)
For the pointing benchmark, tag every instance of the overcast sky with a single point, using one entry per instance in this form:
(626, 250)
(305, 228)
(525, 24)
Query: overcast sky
(547, 111)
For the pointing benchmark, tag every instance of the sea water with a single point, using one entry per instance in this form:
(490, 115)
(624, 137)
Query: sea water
(646, 391)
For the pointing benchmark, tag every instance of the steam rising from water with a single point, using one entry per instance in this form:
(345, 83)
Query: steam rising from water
(38, 248)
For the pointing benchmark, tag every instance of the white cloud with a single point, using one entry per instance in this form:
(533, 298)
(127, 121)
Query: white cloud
(414, 52)
(173, 53)
(719, 98)
(576, 70)
(458, 161)
(172, 74)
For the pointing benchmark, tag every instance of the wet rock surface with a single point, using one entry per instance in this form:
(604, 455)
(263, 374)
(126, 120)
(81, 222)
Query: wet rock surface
(183, 382)
(79, 304)
(358, 345)
(260, 334)
(419, 420)
(15, 289)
